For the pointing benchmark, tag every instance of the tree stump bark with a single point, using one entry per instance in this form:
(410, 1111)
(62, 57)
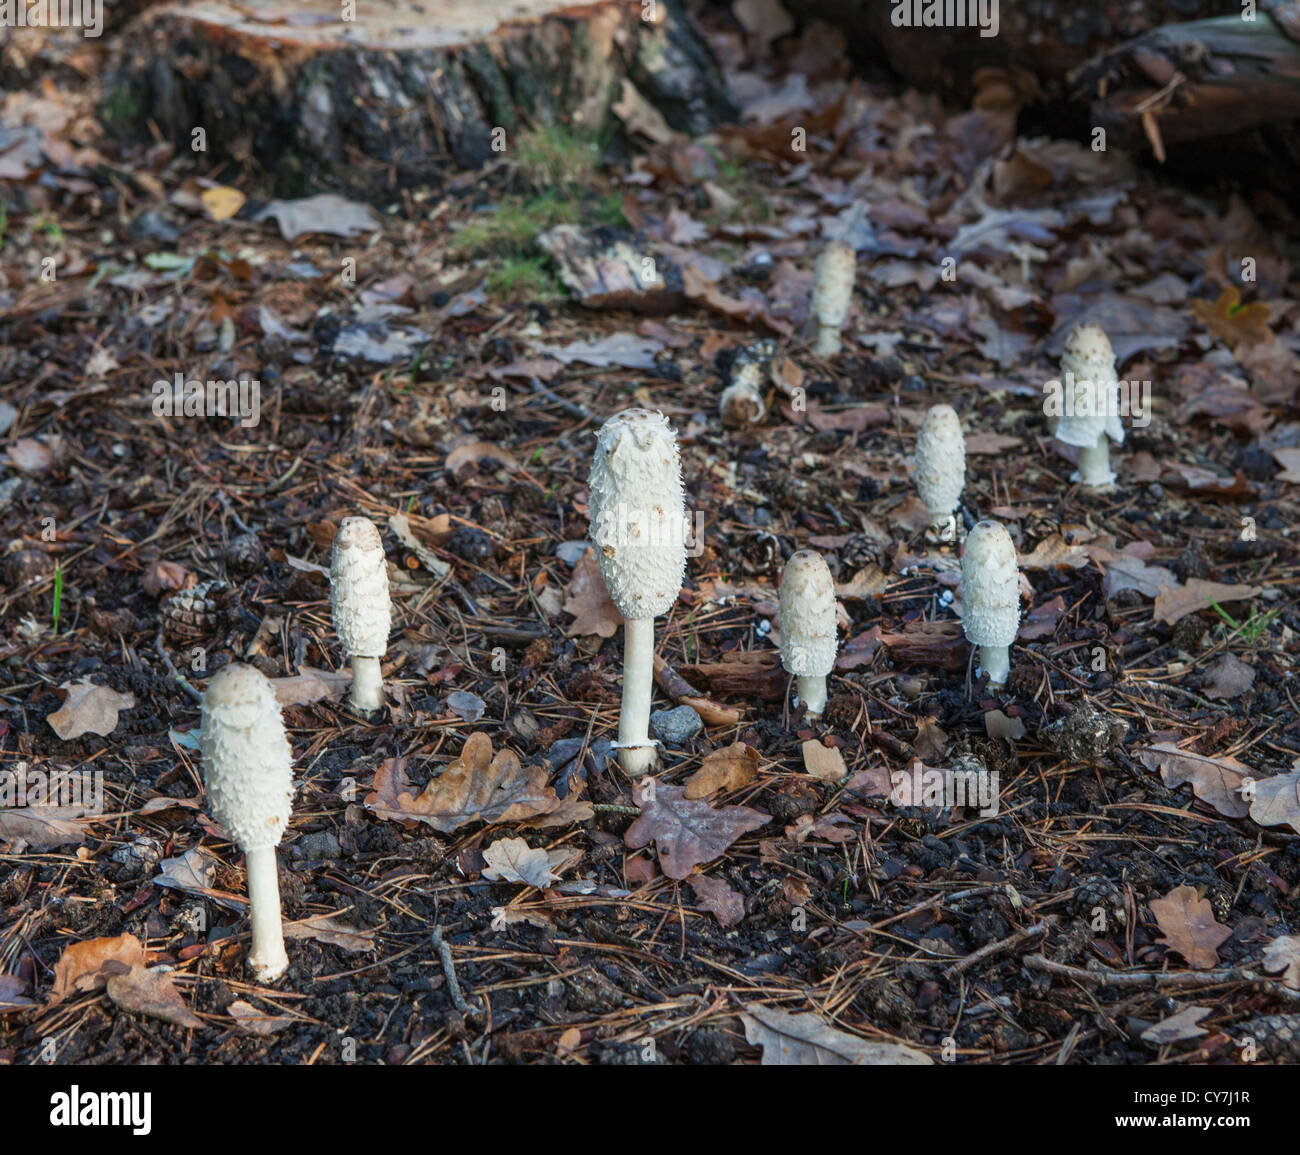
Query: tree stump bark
(407, 90)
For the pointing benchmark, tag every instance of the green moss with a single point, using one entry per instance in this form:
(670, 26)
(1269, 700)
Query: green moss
(555, 157)
(526, 279)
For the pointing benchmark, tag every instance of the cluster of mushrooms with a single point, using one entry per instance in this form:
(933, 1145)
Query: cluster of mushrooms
(639, 530)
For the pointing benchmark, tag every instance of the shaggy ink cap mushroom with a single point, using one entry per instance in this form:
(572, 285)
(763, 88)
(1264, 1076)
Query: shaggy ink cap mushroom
(361, 607)
(940, 468)
(741, 404)
(248, 772)
(832, 294)
(1090, 403)
(808, 626)
(638, 526)
(990, 594)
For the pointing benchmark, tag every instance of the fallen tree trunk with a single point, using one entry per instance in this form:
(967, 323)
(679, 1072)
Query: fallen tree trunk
(1186, 82)
(406, 90)
(938, 44)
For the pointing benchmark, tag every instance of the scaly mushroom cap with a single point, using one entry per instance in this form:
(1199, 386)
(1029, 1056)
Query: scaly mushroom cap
(807, 614)
(990, 586)
(1090, 406)
(359, 599)
(247, 762)
(833, 288)
(638, 513)
(940, 461)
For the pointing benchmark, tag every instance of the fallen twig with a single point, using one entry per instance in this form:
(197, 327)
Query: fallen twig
(992, 948)
(1104, 976)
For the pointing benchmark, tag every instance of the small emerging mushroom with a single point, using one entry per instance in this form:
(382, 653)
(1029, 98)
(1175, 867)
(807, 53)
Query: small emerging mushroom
(808, 626)
(741, 404)
(832, 294)
(248, 771)
(638, 526)
(1089, 415)
(941, 469)
(990, 594)
(360, 607)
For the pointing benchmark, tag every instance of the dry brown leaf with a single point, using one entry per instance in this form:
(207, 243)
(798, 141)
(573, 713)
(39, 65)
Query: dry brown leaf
(866, 583)
(588, 601)
(1277, 801)
(257, 1022)
(685, 832)
(809, 1041)
(13, 995)
(727, 769)
(88, 709)
(329, 928)
(1283, 954)
(150, 991)
(1229, 678)
(1231, 321)
(513, 860)
(43, 827)
(1041, 620)
(1177, 602)
(824, 762)
(1214, 780)
(1289, 460)
(1177, 1028)
(81, 966)
(476, 787)
(931, 742)
(310, 685)
(715, 896)
(1188, 924)
(1053, 551)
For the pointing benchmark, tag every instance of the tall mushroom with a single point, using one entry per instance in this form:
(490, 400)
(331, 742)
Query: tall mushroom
(1089, 404)
(248, 771)
(808, 626)
(638, 526)
(832, 294)
(360, 607)
(941, 468)
(990, 594)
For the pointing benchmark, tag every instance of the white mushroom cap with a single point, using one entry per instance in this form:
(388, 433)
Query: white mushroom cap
(638, 512)
(807, 613)
(1090, 405)
(833, 288)
(990, 586)
(940, 461)
(359, 600)
(247, 762)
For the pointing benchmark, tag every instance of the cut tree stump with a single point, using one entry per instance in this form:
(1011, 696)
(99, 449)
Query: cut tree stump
(407, 90)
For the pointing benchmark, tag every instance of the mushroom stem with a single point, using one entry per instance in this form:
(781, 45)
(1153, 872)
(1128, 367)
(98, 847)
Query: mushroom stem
(1094, 464)
(996, 663)
(636, 752)
(828, 341)
(367, 685)
(267, 960)
(812, 693)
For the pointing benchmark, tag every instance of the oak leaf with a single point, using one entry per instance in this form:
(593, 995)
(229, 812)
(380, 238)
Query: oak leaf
(686, 832)
(727, 769)
(1189, 926)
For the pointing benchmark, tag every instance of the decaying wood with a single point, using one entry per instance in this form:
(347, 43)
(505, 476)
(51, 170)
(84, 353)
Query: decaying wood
(1193, 81)
(604, 268)
(1043, 38)
(406, 90)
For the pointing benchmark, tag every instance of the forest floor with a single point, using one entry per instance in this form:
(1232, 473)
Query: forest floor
(1129, 898)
